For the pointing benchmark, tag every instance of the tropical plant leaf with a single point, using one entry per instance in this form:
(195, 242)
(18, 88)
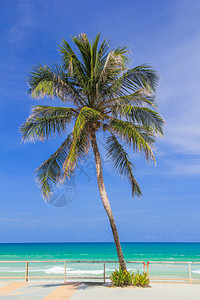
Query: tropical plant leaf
(144, 116)
(46, 121)
(137, 136)
(81, 143)
(74, 67)
(122, 162)
(78, 152)
(139, 78)
(50, 173)
(54, 82)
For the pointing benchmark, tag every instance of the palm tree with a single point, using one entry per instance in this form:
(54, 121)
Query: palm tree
(104, 95)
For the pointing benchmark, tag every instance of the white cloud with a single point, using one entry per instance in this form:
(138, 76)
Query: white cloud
(191, 167)
(19, 30)
(180, 99)
(179, 94)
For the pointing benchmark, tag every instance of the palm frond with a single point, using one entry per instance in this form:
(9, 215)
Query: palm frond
(141, 77)
(50, 173)
(52, 81)
(122, 163)
(46, 121)
(81, 143)
(94, 54)
(78, 152)
(138, 136)
(72, 64)
(113, 66)
(88, 115)
(85, 51)
(144, 116)
(102, 53)
(139, 98)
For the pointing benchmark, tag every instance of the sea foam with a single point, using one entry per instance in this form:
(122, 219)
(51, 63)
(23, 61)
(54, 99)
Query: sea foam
(197, 272)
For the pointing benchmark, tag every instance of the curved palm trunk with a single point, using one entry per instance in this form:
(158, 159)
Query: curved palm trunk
(105, 200)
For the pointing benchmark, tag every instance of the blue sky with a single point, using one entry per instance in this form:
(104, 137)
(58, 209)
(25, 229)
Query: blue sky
(165, 34)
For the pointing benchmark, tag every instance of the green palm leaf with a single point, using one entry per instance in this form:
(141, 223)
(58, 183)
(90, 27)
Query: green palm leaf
(81, 143)
(46, 121)
(140, 78)
(54, 82)
(148, 118)
(122, 163)
(50, 173)
(73, 66)
(137, 136)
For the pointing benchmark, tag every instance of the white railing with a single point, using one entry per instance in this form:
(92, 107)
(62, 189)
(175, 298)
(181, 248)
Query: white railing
(189, 263)
(66, 263)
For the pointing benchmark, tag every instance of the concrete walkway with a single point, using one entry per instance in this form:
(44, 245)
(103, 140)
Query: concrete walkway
(158, 291)
(92, 291)
(37, 291)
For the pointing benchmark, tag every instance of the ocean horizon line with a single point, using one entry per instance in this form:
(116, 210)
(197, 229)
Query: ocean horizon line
(99, 242)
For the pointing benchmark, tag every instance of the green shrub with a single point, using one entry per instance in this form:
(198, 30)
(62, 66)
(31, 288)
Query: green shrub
(124, 278)
(121, 277)
(136, 279)
(140, 279)
(143, 279)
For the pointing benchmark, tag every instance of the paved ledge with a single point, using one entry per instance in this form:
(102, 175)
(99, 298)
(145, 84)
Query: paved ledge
(10, 287)
(157, 291)
(87, 291)
(63, 292)
(37, 291)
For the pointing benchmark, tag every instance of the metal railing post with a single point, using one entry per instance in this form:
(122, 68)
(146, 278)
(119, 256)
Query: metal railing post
(148, 269)
(65, 279)
(104, 272)
(26, 272)
(144, 267)
(190, 274)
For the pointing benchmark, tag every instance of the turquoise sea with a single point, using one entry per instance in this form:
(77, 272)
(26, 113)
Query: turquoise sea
(171, 252)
